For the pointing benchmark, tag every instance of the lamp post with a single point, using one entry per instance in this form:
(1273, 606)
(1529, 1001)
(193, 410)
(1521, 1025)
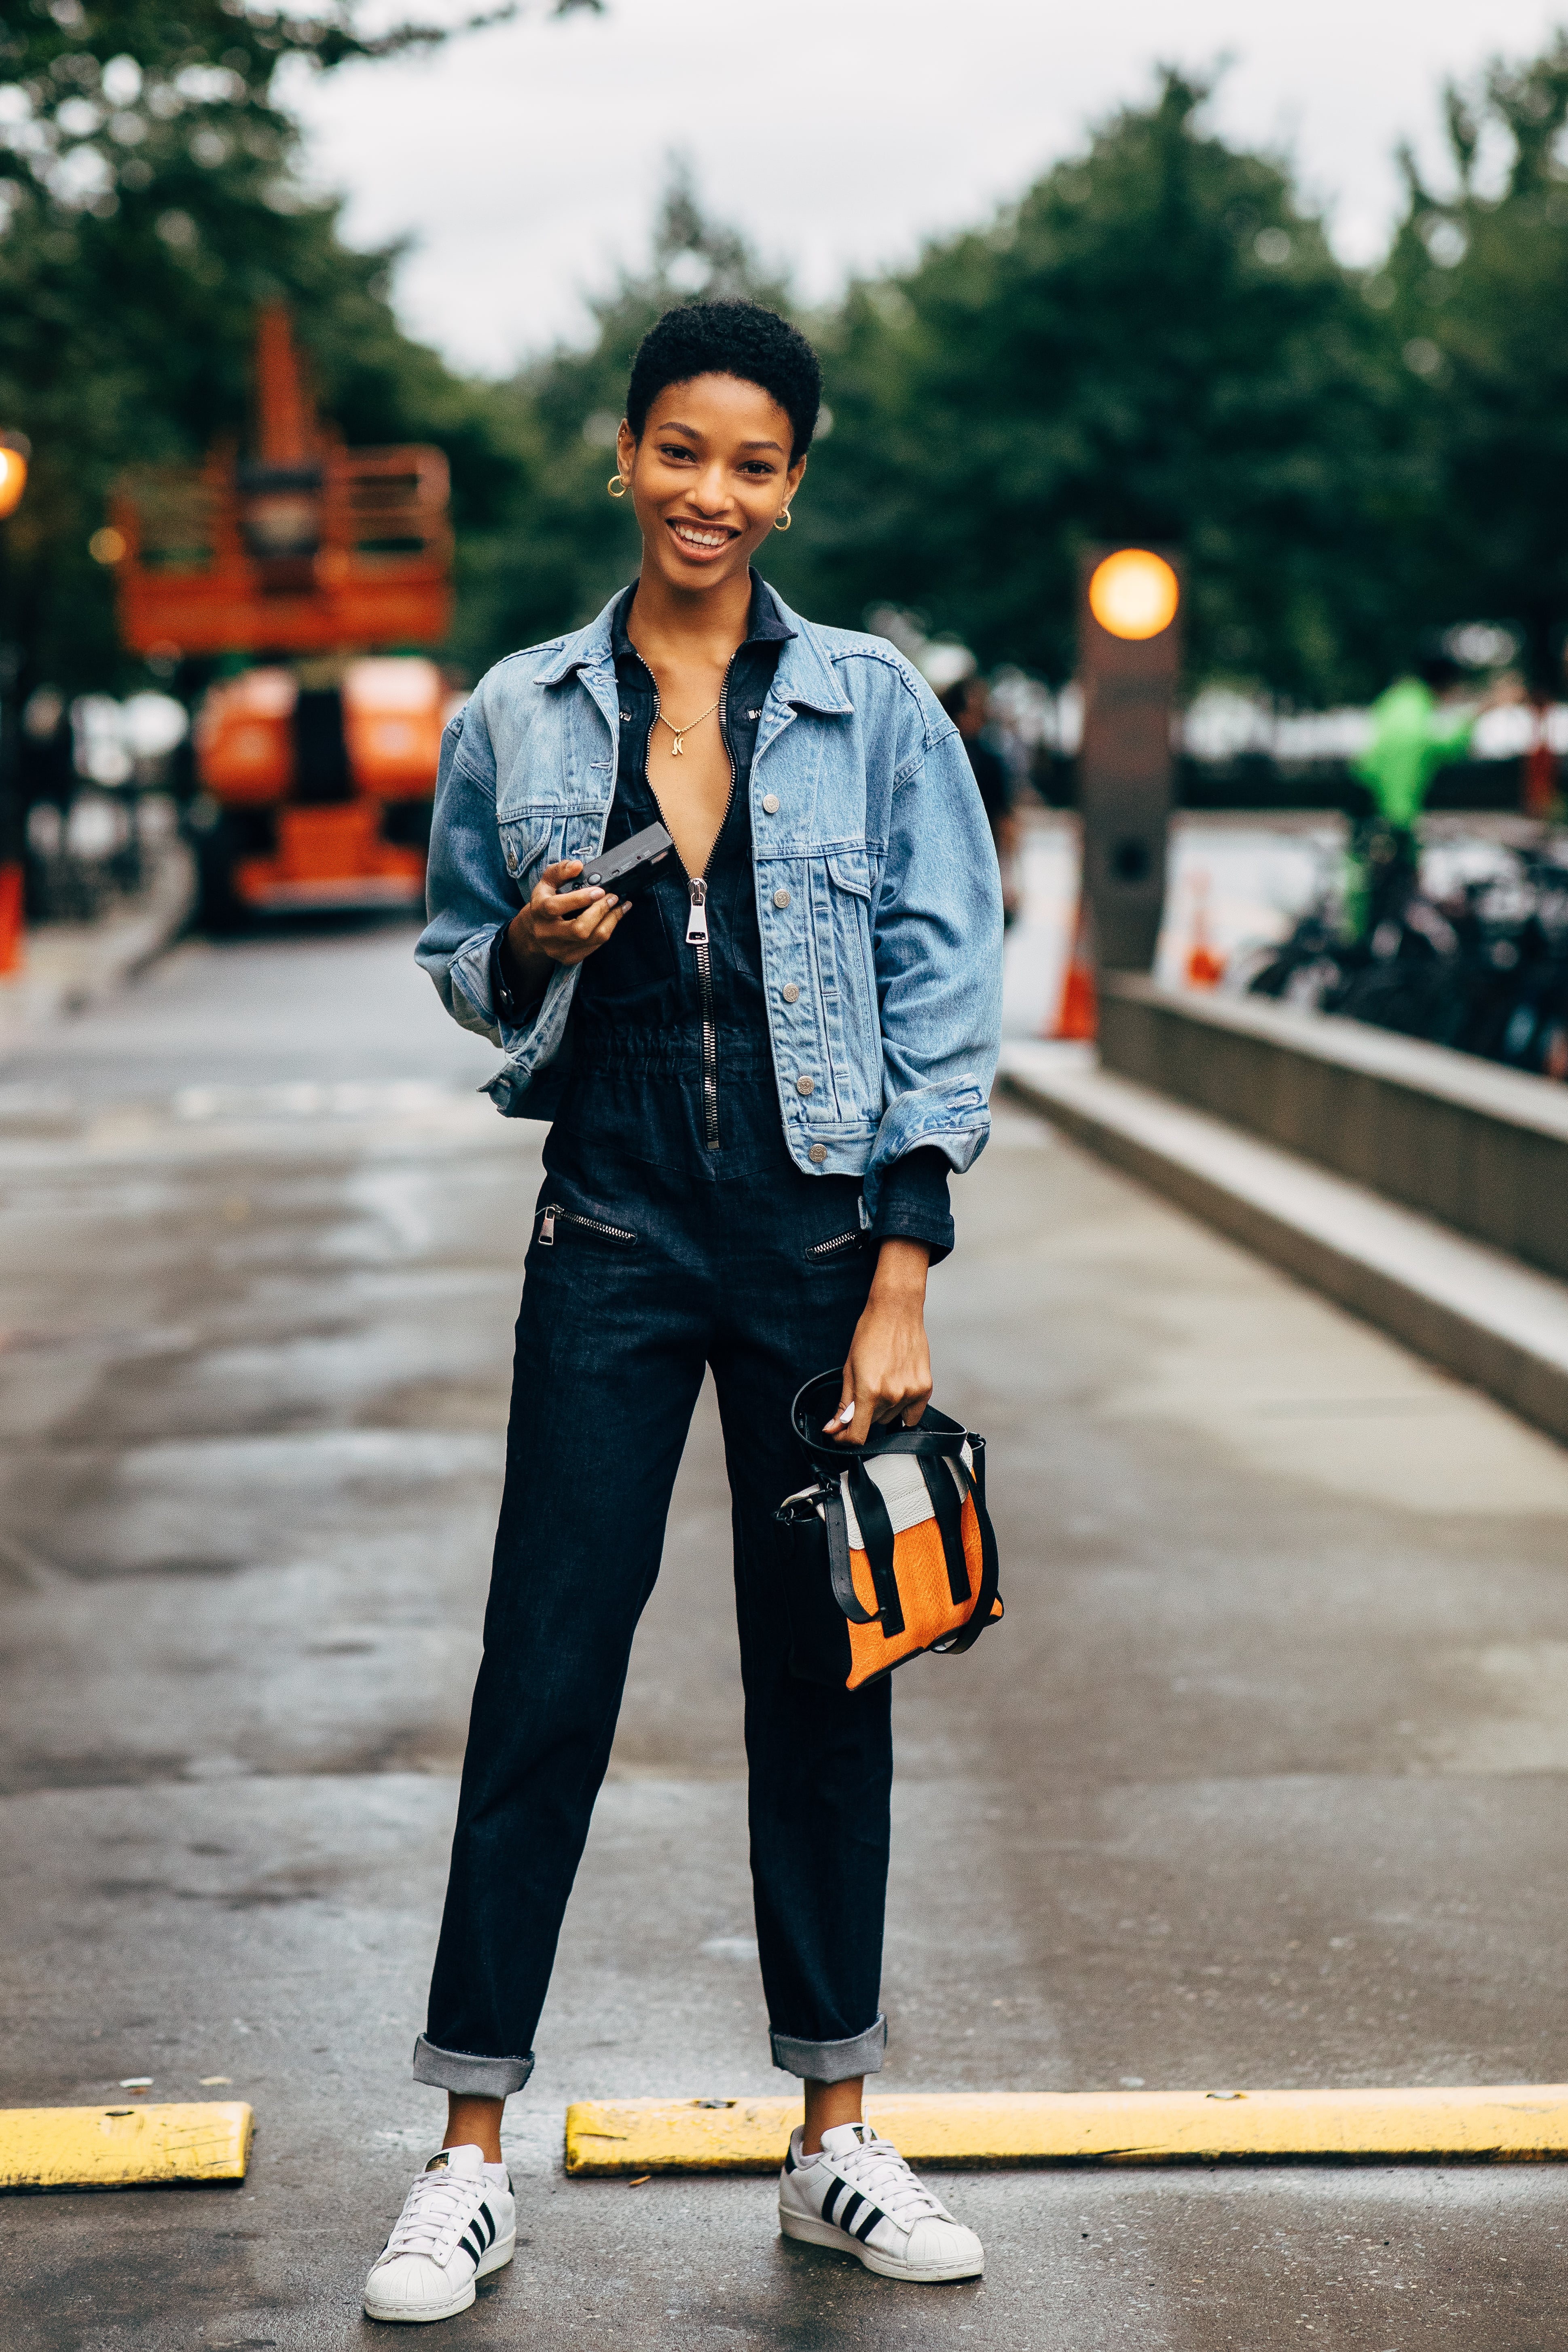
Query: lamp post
(14, 452)
(1128, 655)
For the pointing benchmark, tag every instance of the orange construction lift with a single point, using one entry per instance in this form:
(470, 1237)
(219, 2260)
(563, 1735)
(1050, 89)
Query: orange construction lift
(318, 566)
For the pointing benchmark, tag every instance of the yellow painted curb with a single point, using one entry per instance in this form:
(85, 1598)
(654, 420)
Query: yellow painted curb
(1522, 2124)
(123, 2147)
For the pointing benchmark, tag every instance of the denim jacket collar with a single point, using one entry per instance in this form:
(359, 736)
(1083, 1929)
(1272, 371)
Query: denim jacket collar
(806, 678)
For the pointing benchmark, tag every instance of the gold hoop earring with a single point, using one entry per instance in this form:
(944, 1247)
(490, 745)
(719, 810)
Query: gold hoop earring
(616, 486)
(781, 522)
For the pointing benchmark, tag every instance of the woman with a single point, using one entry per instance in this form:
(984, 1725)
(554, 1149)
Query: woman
(759, 1074)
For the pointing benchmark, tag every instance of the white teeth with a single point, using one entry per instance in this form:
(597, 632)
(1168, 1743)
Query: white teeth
(698, 538)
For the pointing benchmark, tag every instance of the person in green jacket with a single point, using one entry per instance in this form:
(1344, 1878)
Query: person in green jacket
(1417, 728)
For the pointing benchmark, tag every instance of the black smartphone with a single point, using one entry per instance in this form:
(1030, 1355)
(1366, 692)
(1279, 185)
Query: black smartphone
(626, 869)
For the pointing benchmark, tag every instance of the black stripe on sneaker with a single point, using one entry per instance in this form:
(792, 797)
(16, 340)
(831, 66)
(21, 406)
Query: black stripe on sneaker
(852, 2207)
(468, 2246)
(488, 2219)
(832, 2197)
(868, 2222)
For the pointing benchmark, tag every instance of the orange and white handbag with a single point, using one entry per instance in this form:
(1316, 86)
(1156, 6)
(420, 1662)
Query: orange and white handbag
(891, 1551)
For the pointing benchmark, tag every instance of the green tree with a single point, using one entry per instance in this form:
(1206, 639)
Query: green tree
(149, 202)
(1155, 343)
(92, 86)
(1477, 285)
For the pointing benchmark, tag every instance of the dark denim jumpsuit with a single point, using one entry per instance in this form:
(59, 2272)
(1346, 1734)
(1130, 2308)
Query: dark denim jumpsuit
(672, 1233)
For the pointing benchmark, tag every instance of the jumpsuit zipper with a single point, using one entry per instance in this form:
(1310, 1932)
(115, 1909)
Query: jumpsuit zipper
(697, 921)
(589, 1224)
(831, 1249)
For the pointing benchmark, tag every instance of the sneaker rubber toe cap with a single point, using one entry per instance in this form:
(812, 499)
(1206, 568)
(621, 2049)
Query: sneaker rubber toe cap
(944, 2245)
(409, 2283)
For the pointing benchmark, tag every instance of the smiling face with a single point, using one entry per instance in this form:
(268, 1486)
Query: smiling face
(708, 476)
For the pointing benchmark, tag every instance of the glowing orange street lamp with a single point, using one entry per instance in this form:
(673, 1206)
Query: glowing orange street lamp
(15, 451)
(1133, 593)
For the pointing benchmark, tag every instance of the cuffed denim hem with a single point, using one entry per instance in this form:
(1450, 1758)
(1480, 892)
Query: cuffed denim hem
(470, 2076)
(832, 2062)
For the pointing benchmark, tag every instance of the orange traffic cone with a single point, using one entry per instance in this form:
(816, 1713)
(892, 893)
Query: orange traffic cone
(1078, 1018)
(11, 930)
(1540, 771)
(1205, 968)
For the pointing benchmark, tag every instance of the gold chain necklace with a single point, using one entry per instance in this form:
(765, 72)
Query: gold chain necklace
(680, 733)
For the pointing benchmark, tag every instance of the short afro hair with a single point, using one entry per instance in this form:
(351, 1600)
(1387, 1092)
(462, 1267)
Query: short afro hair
(731, 338)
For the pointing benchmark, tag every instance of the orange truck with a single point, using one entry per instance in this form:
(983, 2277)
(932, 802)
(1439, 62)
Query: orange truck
(313, 569)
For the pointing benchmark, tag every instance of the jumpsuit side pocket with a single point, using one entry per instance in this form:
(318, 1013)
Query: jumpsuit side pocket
(553, 1221)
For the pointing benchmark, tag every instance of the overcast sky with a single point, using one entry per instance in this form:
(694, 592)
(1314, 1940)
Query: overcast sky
(526, 162)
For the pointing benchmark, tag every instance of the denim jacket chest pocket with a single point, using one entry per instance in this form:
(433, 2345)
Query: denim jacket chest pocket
(537, 837)
(554, 783)
(547, 811)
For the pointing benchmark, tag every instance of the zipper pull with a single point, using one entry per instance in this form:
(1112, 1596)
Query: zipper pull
(697, 921)
(547, 1230)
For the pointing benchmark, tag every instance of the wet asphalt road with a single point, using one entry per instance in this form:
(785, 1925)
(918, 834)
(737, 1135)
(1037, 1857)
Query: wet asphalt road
(1261, 1782)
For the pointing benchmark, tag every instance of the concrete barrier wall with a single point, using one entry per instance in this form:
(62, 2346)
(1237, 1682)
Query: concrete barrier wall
(1484, 1149)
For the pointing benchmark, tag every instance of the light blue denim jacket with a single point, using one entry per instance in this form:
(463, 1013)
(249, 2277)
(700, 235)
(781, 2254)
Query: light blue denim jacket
(877, 893)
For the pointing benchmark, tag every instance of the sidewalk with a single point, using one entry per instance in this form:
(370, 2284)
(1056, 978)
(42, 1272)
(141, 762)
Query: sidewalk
(69, 966)
(1479, 1311)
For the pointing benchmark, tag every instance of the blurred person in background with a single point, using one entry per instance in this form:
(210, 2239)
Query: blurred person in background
(968, 705)
(1423, 723)
(760, 1072)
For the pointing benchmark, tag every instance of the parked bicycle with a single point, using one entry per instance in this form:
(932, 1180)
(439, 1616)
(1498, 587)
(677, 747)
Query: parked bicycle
(1482, 968)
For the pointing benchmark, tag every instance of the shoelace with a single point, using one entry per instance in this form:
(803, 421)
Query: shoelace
(439, 2206)
(883, 2178)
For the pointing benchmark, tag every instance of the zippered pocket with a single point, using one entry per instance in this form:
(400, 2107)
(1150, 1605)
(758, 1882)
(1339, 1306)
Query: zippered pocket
(837, 1247)
(553, 1215)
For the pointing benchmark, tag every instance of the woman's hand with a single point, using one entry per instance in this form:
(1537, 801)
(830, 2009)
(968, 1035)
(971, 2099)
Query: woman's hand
(887, 1376)
(559, 926)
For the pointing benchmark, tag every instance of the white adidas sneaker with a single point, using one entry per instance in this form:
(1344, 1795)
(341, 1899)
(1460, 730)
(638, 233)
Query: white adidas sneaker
(860, 2196)
(458, 2222)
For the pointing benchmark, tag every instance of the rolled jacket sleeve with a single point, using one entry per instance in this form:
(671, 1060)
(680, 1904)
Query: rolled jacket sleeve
(912, 1202)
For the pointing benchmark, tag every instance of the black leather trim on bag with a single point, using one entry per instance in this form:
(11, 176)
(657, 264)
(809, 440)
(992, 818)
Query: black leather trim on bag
(948, 1510)
(877, 1533)
(838, 1529)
